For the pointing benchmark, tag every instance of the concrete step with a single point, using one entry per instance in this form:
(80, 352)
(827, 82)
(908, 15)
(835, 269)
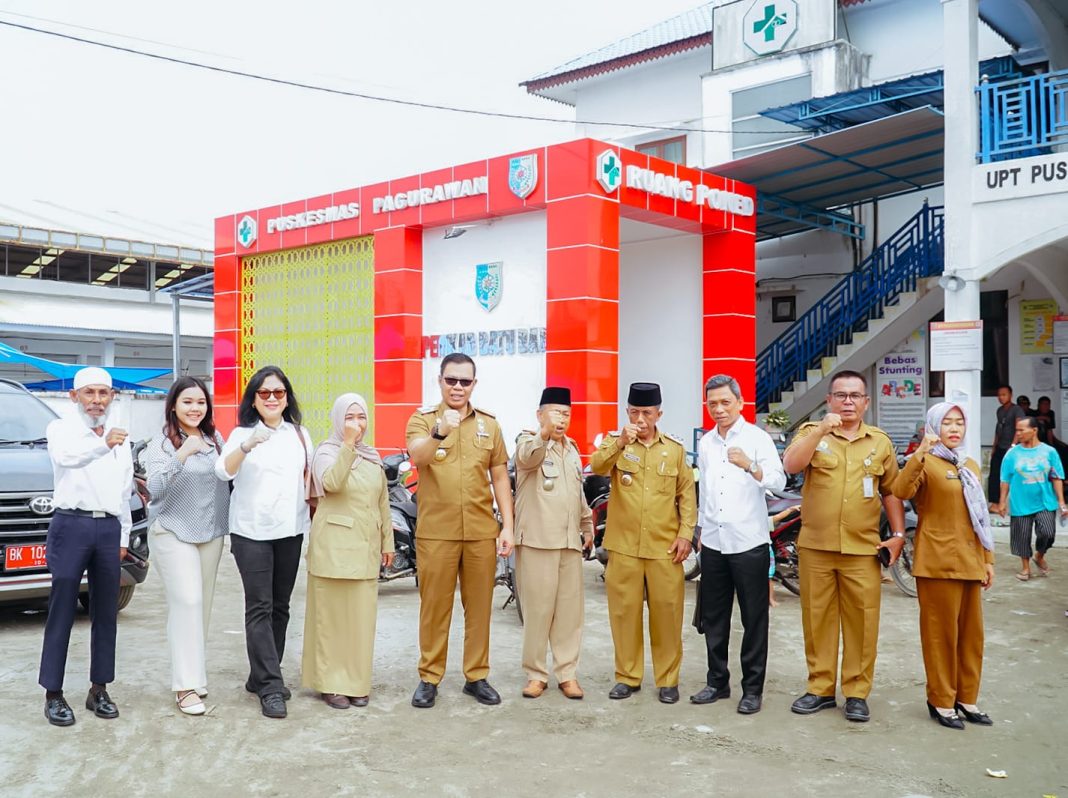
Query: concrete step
(814, 376)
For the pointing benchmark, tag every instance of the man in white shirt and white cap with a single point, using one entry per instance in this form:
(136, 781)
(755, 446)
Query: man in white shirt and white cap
(738, 462)
(90, 532)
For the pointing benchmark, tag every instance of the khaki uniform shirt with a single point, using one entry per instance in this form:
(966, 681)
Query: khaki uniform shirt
(652, 499)
(455, 500)
(352, 525)
(550, 507)
(836, 515)
(946, 544)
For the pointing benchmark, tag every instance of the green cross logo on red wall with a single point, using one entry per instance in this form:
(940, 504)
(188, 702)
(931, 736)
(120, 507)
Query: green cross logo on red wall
(609, 171)
(246, 231)
(768, 25)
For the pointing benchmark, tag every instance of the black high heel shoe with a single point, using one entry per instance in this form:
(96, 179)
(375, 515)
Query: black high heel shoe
(974, 717)
(953, 722)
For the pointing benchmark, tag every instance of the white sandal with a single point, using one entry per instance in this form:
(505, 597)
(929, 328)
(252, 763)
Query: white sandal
(189, 702)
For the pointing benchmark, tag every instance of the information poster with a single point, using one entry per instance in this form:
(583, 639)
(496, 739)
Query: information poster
(1036, 325)
(956, 345)
(901, 385)
(1060, 335)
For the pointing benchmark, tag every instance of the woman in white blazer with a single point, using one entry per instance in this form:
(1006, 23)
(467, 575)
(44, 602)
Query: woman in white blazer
(267, 457)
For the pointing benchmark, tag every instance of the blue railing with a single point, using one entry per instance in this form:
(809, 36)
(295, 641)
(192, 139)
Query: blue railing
(910, 254)
(1021, 118)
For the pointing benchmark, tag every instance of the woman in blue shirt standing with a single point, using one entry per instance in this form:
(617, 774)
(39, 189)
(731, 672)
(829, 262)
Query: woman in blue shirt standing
(1032, 490)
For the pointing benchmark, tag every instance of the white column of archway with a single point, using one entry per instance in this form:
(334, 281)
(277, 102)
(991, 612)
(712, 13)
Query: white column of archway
(960, 35)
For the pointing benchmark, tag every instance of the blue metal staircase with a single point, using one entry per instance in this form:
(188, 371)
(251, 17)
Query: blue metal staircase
(912, 253)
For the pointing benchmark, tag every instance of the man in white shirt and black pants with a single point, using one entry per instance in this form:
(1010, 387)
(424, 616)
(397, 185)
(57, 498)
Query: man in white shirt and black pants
(738, 461)
(90, 532)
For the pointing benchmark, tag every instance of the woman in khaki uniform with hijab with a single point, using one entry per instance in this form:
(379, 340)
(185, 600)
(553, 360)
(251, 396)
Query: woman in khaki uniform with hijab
(954, 560)
(351, 537)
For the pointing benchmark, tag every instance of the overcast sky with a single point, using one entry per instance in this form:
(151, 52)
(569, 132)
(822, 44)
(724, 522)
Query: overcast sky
(109, 138)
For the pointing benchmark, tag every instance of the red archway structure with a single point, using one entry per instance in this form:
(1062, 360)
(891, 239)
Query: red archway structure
(584, 188)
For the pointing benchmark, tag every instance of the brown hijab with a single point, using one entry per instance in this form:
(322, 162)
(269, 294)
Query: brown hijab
(326, 452)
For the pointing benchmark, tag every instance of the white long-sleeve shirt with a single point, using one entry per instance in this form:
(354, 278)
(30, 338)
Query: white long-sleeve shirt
(734, 513)
(269, 500)
(88, 474)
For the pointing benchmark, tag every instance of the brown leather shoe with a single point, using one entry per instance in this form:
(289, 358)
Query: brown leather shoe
(571, 689)
(534, 688)
(336, 701)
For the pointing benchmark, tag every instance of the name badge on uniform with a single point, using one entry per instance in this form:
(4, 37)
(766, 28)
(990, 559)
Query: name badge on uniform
(869, 488)
(632, 457)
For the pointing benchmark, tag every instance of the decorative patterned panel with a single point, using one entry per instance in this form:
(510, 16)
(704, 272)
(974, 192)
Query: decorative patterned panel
(310, 311)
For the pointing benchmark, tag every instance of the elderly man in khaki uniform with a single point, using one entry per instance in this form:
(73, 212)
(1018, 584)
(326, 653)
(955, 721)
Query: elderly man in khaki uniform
(652, 510)
(849, 469)
(459, 451)
(553, 526)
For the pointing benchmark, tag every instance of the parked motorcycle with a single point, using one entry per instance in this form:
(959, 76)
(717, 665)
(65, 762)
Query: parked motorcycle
(784, 510)
(402, 509)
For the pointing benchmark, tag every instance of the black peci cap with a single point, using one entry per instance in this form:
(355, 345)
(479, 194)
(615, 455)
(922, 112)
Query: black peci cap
(644, 394)
(556, 396)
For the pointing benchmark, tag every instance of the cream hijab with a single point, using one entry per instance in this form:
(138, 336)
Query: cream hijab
(326, 452)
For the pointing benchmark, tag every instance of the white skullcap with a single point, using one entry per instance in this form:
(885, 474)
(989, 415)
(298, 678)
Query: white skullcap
(92, 375)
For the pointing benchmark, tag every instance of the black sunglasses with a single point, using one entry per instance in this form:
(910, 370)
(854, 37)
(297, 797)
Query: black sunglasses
(461, 381)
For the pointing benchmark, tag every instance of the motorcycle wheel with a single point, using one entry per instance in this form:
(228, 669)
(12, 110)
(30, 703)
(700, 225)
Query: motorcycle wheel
(787, 571)
(791, 583)
(901, 570)
(691, 566)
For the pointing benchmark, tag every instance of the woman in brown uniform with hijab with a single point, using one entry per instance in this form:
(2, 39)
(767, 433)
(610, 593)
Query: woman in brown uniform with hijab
(351, 537)
(954, 559)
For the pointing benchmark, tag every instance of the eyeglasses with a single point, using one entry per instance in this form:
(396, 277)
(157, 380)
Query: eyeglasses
(463, 382)
(277, 393)
(852, 397)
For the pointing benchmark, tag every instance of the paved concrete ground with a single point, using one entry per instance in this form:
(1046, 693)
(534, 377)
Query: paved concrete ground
(550, 746)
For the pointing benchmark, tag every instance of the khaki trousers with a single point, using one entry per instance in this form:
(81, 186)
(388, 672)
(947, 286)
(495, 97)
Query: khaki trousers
(441, 563)
(628, 580)
(951, 633)
(550, 590)
(840, 597)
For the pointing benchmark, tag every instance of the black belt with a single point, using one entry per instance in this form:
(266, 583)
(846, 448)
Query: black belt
(84, 513)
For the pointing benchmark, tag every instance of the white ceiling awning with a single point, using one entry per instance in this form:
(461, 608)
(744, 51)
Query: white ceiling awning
(882, 158)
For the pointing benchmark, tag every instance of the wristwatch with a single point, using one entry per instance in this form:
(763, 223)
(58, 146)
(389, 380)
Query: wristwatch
(897, 534)
(753, 467)
(437, 435)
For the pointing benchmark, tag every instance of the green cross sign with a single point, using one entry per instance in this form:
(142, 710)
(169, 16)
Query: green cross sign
(611, 170)
(246, 232)
(769, 23)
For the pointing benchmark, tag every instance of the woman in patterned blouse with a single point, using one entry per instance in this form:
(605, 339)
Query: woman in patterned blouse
(189, 507)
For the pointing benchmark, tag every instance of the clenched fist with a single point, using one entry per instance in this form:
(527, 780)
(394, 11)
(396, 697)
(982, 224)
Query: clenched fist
(829, 422)
(628, 434)
(115, 437)
(449, 421)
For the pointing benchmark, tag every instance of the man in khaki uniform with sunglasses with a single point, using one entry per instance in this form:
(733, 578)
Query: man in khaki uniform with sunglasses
(459, 451)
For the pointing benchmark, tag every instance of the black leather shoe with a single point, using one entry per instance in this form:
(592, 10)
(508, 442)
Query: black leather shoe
(749, 705)
(623, 691)
(273, 705)
(974, 717)
(100, 704)
(809, 704)
(669, 695)
(856, 710)
(425, 695)
(710, 694)
(286, 694)
(58, 712)
(483, 693)
(951, 722)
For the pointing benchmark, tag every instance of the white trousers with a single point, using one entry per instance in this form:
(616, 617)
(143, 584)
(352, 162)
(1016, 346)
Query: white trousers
(187, 571)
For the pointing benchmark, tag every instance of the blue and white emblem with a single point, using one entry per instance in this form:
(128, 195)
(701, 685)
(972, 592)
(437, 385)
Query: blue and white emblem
(488, 284)
(246, 232)
(523, 174)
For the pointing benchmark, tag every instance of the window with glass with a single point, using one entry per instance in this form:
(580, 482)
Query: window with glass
(673, 149)
(752, 133)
